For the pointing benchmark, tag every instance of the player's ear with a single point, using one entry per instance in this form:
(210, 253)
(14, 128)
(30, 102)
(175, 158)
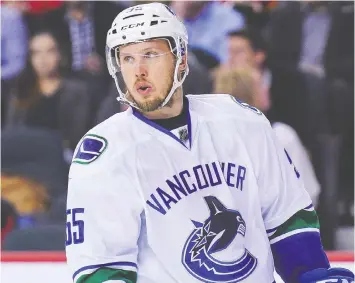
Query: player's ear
(183, 64)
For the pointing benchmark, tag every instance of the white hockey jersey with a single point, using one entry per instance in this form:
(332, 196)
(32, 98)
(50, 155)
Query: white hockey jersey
(144, 207)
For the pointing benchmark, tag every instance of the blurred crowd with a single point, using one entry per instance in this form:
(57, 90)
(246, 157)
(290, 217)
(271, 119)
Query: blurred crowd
(292, 60)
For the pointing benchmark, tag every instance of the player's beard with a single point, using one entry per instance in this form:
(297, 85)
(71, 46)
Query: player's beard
(154, 104)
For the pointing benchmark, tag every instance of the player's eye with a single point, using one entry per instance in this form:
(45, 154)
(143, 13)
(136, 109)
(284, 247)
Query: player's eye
(128, 59)
(150, 54)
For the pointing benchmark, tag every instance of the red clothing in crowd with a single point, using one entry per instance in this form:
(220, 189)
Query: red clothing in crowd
(38, 7)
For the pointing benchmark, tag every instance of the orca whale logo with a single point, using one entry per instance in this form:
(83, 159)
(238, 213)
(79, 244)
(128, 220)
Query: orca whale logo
(212, 236)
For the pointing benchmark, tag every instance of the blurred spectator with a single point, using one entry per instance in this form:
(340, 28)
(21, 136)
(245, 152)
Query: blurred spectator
(44, 98)
(8, 219)
(38, 13)
(40, 7)
(246, 47)
(128, 3)
(208, 23)
(33, 172)
(13, 41)
(314, 36)
(312, 52)
(256, 13)
(246, 84)
(83, 26)
(13, 49)
(312, 44)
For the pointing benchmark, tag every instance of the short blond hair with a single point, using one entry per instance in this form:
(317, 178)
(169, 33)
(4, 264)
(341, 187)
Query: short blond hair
(239, 82)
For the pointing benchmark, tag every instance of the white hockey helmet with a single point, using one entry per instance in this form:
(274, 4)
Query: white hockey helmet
(141, 23)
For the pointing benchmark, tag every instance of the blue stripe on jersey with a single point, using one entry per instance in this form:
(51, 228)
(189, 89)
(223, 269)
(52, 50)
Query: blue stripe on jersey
(120, 263)
(308, 207)
(297, 254)
(271, 230)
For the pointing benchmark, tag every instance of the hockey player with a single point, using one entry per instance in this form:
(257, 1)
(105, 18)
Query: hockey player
(184, 188)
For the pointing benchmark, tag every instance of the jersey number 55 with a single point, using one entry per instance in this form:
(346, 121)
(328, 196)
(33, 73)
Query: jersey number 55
(74, 226)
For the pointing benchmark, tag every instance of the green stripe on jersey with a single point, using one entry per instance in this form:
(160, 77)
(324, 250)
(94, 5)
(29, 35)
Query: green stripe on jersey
(300, 220)
(104, 273)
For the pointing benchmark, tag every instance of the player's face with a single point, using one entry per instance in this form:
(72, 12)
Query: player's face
(147, 70)
(240, 52)
(45, 56)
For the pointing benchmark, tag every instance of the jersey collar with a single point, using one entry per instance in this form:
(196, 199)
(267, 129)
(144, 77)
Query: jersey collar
(151, 123)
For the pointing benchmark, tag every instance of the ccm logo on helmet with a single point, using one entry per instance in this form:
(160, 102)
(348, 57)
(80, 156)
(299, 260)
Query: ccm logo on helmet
(132, 26)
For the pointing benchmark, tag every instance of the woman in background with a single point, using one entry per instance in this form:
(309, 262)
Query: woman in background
(246, 85)
(44, 98)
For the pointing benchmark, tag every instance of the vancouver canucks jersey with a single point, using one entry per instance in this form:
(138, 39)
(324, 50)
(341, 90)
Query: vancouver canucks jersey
(145, 207)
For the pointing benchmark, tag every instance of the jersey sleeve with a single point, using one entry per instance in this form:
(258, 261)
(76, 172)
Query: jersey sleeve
(103, 223)
(290, 219)
(300, 158)
(281, 189)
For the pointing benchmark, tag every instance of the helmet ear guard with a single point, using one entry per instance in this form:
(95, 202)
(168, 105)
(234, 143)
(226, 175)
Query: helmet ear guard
(142, 23)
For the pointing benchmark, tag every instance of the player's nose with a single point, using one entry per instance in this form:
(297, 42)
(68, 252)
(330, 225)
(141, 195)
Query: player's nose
(141, 70)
